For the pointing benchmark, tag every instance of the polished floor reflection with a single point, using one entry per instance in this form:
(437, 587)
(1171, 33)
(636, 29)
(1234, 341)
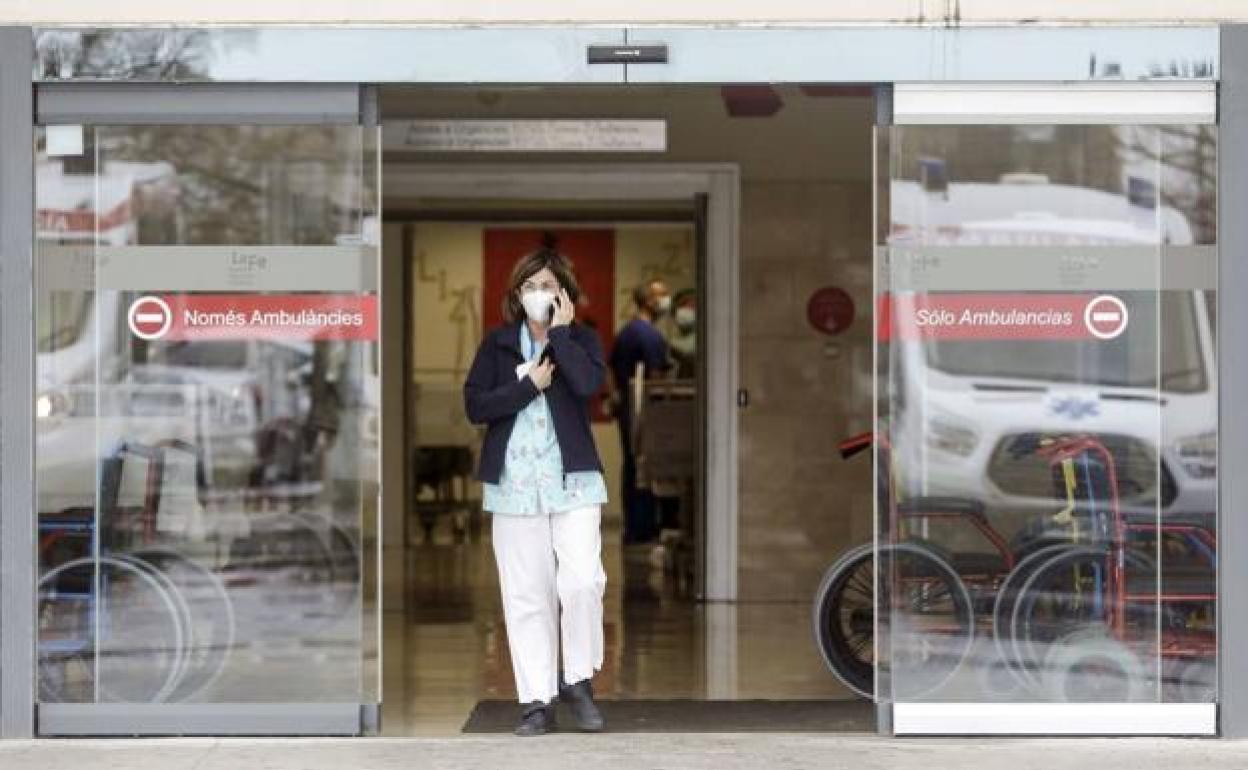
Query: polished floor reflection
(448, 650)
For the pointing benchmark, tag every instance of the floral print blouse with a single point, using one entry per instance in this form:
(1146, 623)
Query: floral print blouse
(533, 481)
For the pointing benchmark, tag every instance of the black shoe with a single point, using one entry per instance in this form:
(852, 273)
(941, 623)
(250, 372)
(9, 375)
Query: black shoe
(537, 719)
(580, 698)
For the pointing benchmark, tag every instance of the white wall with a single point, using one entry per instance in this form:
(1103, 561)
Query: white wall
(638, 11)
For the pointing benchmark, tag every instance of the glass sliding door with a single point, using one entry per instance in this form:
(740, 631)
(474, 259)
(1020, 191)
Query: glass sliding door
(207, 427)
(1047, 422)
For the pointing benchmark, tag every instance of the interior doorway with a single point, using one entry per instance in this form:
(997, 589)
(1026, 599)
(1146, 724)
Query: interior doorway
(701, 619)
(451, 585)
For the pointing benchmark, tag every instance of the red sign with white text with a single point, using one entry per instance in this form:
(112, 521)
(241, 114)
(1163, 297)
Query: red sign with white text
(257, 316)
(998, 316)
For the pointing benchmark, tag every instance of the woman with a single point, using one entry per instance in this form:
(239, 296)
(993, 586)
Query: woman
(530, 383)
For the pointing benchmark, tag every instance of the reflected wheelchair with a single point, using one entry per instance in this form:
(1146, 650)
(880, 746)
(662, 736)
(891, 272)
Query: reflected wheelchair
(1069, 610)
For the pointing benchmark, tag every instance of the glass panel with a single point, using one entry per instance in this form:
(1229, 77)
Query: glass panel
(208, 413)
(1047, 413)
(1187, 546)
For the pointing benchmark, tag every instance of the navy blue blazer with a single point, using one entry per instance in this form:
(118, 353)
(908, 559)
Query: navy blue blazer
(493, 396)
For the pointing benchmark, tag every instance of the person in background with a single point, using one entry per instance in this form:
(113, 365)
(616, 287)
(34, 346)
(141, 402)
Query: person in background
(684, 341)
(638, 342)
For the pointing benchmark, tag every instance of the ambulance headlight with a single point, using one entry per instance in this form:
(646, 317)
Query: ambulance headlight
(1199, 455)
(950, 434)
(51, 405)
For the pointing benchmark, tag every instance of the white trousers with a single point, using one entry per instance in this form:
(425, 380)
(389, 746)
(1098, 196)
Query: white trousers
(547, 563)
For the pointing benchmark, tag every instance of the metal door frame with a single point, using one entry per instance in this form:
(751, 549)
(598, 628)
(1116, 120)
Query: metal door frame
(1143, 103)
(1232, 382)
(17, 396)
(123, 104)
(639, 180)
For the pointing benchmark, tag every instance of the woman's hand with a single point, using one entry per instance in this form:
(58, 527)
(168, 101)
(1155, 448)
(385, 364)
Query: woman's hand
(542, 373)
(563, 309)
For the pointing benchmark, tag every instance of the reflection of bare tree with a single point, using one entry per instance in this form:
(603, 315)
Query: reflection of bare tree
(1188, 157)
(151, 54)
(1112, 69)
(1180, 160)
(247, 184)
(1182, 68)
(1077, 155)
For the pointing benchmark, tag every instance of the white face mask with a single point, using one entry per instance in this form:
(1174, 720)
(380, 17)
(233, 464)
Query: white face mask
(665, 304)
(537, 305)
(686, 318)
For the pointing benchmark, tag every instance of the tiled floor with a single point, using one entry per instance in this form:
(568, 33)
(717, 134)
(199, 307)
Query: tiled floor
(449, 649)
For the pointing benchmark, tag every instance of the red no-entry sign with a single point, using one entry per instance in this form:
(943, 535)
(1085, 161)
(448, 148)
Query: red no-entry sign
(927, 316)
(1106, 317)
(830, 310)
(252, 316)
(150, 318)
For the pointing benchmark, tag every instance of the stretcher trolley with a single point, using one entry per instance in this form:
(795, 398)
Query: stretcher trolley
(665, 446)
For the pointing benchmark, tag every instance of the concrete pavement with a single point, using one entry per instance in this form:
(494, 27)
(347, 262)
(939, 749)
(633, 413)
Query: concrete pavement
(774, 751)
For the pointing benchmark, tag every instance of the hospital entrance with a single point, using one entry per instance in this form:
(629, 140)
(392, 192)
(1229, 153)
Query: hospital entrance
(959, 372)
(734, 204)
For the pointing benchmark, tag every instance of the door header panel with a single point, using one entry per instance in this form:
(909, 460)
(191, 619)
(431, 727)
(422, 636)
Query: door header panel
(561, 54)
(1080, 103)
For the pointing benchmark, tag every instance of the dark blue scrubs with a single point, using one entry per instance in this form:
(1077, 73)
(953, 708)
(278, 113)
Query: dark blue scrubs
(637, 341)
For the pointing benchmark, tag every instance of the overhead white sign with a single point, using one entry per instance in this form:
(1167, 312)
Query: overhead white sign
(496, 135)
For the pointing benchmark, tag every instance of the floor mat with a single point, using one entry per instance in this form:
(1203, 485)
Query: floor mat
(696, 716)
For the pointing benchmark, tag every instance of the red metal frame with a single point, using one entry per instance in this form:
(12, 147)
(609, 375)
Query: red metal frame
(1172, 644)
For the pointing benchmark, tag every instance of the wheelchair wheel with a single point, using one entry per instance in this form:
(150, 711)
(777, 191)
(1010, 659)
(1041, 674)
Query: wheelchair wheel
(210, 622)
(1090, 666)
(109, 630)
(344, 553)
(844, 619)
(184, 620)
(1066, 595)
(1003, 609)
(1196, 681)
(281, 581)
(930, 625)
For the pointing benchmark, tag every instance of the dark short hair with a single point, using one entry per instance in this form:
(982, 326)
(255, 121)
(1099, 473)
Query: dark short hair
(531, 264)
(642, 293)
